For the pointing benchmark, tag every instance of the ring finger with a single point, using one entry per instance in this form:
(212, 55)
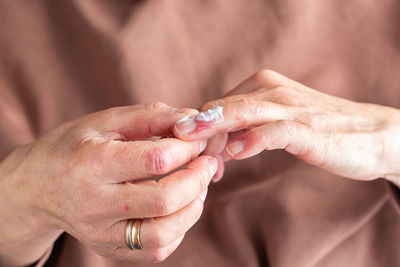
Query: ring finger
(159, 232)
(144, 255)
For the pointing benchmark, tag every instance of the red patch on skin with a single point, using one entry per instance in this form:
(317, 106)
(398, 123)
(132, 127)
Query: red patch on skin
(126, 207)
(202, 125)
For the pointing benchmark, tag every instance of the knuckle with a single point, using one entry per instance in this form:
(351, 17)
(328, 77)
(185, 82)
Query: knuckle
(252, 108)
(157, 161)
(163, 204)
(264, 75)
(155, 105)
(286, 95)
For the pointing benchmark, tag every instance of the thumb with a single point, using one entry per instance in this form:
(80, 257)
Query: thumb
(140, 122)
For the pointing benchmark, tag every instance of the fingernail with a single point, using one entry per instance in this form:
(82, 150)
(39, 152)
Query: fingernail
(212, 166)
(234, 148)
(185, 125)
(203, 196)
(184, 111)
(203, 144)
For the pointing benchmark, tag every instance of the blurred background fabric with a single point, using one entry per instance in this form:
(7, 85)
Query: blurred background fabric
(60, 60)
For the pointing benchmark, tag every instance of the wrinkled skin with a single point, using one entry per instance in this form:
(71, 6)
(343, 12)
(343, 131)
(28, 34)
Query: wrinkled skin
(86, 178)
(269, 111)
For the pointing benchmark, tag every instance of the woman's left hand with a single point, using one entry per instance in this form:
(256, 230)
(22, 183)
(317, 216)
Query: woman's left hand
(269, 111)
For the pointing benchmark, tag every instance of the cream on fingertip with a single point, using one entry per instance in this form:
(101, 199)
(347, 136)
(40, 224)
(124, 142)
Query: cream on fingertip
(212, 115)
(203, 120)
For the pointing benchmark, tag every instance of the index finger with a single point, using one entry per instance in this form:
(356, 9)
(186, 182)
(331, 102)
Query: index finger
(148, 199)
(137, 122)
(243, 107)
(116, 161)
(231, 117)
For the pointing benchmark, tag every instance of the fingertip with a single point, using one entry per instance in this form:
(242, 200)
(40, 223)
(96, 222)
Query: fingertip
(203, 125)
(184, 126)
(210, 162)
(200, 161)
(183, 123)
(220, 171)
(235, 148)
(203, 145)
(212, 165)
(218, 175)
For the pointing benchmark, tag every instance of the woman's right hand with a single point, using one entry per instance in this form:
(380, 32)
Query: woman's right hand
(82, 178)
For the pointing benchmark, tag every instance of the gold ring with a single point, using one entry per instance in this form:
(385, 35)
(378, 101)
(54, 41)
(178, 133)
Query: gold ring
(132, 234)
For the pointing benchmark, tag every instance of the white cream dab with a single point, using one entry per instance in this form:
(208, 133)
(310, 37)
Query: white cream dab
(213, 115)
